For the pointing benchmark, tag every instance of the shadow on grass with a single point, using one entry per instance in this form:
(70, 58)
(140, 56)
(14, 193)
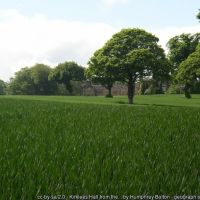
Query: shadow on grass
(195, 97)
(145, 104)
(141, 104)
(121, 102)
(159, 105)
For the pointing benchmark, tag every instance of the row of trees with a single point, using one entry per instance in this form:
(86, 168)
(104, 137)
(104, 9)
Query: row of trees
(130, 56)
(43, 80)
(134, 55)
(184, 55)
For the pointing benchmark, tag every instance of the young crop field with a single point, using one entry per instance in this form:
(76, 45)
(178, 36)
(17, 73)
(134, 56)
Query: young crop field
(162, 100)
(68, 148)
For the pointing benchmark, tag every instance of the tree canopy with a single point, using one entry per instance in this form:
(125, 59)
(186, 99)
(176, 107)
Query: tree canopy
(99, 72)
(131, 54)
(181, 46)
(39, 75)
(66, 72)
(41, 79)
(33, 80)
(189, 71)
(198, 15)
(22, 83)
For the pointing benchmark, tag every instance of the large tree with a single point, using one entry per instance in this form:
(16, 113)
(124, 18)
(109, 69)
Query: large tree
(189, 71)
(99, 72)
(181, 46)
(132, 54)
(31, 81)
(39, 75)
(22, 83)
(66, 72)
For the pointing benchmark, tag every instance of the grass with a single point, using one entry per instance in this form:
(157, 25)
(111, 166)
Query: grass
(169, 100)
(67, 147)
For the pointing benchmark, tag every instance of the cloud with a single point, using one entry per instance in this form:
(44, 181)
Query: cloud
(111, 3)
(165, 34)
(27, 40)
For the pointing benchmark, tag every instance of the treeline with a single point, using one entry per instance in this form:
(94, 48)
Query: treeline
(65, 79)
(131, 56)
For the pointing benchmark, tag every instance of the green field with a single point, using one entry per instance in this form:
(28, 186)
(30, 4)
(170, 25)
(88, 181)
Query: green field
(170, 100)
(95, 145)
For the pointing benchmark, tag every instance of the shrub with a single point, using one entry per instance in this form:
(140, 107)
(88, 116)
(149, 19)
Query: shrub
(109, 96)
(150, 90)
(175, 89)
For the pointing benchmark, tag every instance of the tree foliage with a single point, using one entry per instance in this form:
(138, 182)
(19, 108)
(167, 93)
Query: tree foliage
(33, 80)
(40, 79)
(2, 87)
(99, 72)
(198, 15)
(181, 46)
(66, 72)
(131, 54)
(22, 83)
(189, 71)
(39, 75)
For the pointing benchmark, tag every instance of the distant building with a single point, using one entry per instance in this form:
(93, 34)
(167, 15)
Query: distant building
(118, 89)
(89, 89)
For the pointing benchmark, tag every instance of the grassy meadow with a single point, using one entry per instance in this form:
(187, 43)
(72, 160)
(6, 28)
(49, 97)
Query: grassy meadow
(95, 145)
(158, 100)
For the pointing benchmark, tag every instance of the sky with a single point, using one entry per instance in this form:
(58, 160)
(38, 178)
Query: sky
(55, 31)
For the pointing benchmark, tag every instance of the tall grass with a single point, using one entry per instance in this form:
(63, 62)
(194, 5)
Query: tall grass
(59, 148)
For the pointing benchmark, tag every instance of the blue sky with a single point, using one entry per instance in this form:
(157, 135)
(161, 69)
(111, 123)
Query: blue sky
(144, 13)
(53, 31)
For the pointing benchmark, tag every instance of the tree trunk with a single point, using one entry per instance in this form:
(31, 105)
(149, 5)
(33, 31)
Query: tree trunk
(69, 88)
(109, 92)
(131, 90)
(187, 91)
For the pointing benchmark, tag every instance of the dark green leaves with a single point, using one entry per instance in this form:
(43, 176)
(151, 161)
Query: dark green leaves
(189, 69)
(198, 15)
(181, 46)
(67, 72)
(2, 87)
